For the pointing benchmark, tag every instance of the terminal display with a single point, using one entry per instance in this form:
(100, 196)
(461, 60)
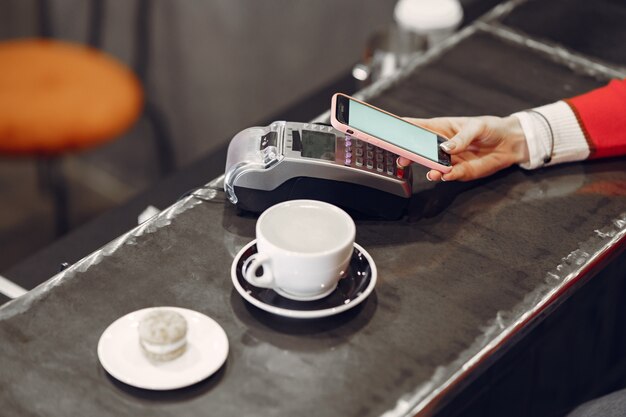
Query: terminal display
(318, 145)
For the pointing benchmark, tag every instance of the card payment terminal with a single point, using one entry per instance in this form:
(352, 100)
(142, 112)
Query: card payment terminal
(289, 160)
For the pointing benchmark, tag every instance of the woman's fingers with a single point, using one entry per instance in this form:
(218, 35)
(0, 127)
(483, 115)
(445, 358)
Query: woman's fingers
(471, 131)
(403, 162)
(475, 168)
(458, 173)
(433, 175)
(445, 126)
(463, 133)
(417, 121)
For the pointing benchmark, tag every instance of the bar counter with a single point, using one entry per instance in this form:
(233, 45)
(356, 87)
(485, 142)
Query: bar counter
(467, 273)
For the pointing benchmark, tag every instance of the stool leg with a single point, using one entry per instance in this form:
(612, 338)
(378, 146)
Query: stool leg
(162, 139)
(52, 180)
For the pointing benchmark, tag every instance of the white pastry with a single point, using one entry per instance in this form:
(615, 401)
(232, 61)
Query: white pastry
(163, 334)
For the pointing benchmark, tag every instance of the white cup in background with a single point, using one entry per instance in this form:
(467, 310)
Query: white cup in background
(304, 248)
(434, 19)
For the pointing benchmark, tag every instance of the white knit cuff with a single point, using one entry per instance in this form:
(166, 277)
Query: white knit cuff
(569, 140)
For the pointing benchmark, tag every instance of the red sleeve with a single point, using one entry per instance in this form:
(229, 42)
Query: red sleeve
(601, 114)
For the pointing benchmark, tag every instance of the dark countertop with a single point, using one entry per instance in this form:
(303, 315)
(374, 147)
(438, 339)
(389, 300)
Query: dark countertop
(442, 280)
(470, 265)
(591, 28)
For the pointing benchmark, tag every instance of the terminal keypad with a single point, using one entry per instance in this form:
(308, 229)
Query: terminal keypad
(367, 156)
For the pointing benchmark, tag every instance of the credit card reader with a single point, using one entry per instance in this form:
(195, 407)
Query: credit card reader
(289, 160)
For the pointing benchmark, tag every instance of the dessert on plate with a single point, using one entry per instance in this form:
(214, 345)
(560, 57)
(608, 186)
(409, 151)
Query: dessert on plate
(163, 334)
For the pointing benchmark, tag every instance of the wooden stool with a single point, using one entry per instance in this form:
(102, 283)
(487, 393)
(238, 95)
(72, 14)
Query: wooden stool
(57, 97)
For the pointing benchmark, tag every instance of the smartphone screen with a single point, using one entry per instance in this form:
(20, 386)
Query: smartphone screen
(391, 129)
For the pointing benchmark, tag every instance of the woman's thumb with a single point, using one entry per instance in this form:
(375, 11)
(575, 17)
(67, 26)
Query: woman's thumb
(464, 137)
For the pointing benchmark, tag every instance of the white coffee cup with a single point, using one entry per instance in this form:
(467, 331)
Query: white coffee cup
(304, 248)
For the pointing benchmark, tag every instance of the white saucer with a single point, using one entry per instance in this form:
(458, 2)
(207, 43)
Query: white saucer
(358, 284)
(121, 356)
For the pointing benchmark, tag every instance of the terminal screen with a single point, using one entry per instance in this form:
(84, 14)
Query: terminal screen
(318, 145)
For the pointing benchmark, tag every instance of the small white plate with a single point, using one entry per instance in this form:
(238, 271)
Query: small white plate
(121, 356)
(358, 284)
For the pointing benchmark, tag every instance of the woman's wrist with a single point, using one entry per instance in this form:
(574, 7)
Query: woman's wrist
(513, 134)
(553, 135)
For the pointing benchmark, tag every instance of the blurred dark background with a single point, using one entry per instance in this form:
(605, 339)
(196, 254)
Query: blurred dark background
(212, 68)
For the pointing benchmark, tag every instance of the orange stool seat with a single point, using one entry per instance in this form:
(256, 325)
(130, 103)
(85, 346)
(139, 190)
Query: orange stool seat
(56, 97)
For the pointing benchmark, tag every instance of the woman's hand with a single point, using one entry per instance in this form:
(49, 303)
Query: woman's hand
(479, 146)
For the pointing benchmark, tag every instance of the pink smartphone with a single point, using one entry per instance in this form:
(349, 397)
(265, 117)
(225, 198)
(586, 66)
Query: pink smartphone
(385, 130)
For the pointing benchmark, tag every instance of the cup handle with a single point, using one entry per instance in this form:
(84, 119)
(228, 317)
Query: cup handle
(250, 267)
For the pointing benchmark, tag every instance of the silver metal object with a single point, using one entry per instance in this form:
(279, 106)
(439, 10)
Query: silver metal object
(262, 159)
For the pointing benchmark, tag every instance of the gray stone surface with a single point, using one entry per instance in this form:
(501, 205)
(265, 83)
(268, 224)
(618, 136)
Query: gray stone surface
(464, 255)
